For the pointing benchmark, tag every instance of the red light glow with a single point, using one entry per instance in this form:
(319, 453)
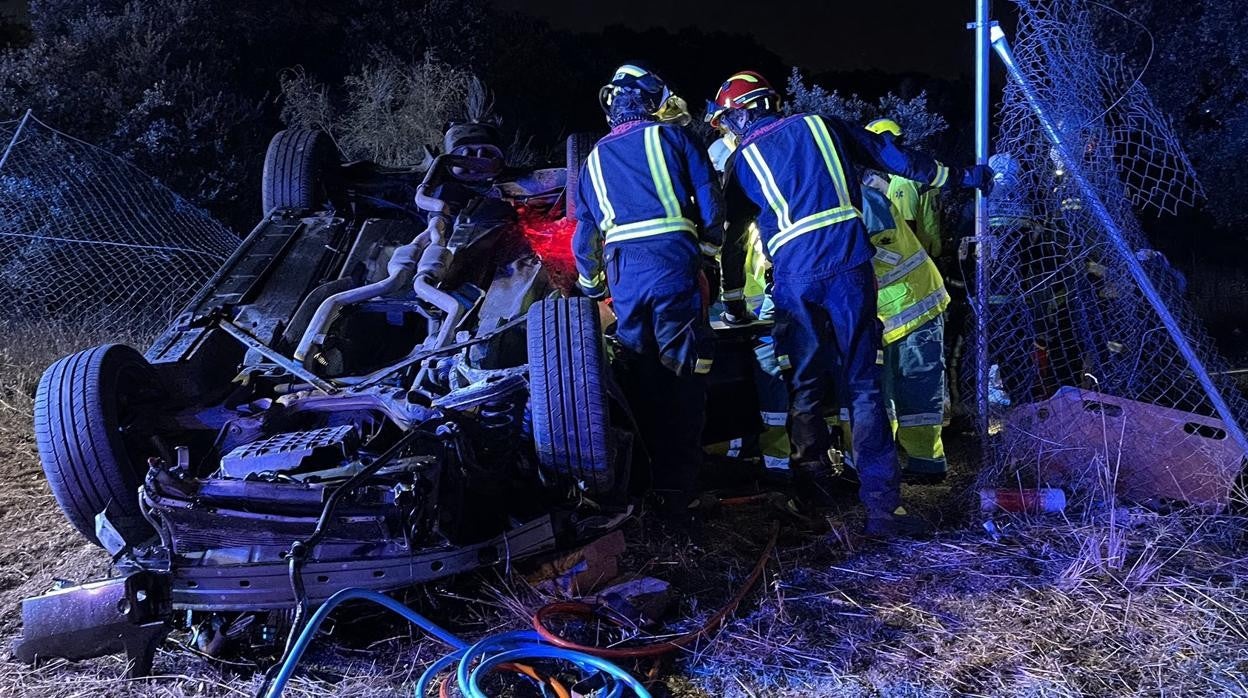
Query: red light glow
(551, 239)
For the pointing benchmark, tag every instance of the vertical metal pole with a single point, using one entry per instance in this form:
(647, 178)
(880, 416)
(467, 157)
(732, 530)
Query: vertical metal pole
(983, 240)
(13, 141)
(1118, 240)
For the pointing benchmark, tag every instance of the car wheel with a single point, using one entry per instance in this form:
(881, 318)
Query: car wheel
(579, 147)
(86, 408)
(568, 392)
(295, 166)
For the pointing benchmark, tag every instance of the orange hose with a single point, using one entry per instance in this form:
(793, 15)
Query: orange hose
(556, 685)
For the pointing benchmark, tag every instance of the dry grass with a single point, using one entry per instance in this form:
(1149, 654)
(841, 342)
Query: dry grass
(1121, 603)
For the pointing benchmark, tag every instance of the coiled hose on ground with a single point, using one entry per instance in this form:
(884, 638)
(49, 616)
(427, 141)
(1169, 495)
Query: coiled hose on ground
(486, 655)
(513, 650)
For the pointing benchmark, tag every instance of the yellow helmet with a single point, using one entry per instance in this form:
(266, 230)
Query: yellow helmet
(885, 126)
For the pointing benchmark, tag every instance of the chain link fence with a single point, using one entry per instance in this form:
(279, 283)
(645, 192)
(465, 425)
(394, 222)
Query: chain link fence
(87, 239)
(1100, 377)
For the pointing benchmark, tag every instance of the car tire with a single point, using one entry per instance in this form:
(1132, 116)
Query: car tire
(579, 147)
(295, 167)
(568, 392)
(81, 405)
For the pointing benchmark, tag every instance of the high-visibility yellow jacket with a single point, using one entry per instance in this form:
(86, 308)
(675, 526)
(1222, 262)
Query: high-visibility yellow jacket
(911, 290)
(922, 208)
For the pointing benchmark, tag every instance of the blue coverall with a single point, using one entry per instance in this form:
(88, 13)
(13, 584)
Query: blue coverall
(795, 176)
(649, 208)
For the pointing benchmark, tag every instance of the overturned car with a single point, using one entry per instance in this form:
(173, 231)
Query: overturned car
(381, 387)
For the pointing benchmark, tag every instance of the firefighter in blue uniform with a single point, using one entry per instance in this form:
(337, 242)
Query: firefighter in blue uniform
(649, 222)
(795, 177)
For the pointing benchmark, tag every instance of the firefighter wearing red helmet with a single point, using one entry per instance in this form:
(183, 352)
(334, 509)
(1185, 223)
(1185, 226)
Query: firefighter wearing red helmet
(796, 177)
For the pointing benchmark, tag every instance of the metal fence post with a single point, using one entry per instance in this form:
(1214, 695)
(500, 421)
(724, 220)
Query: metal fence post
(13, 141)
(983, 240)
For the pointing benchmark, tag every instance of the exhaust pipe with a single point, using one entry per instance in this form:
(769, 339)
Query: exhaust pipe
(399, 272)
(403, 268)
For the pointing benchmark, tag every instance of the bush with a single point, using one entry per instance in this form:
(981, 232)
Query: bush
(390, 110)
(919, 125)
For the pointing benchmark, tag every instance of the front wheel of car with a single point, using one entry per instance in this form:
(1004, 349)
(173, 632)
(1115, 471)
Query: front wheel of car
(568, 392)
(89, 412)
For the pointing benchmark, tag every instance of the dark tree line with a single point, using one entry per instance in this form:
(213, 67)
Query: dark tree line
(190, 90)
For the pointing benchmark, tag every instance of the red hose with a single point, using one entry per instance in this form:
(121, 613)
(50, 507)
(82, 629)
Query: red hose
(747, 499)
(654, 649)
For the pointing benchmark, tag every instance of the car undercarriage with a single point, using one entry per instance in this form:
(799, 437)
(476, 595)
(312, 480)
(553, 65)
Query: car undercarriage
(371, 393)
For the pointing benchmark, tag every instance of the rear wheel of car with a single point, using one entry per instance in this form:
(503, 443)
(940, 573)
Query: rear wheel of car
(295, 167)
(568, 390)
(579, 147)
(86, 406)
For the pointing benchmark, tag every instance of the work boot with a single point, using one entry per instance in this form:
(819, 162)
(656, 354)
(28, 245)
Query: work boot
(898, 524)
(818, 486)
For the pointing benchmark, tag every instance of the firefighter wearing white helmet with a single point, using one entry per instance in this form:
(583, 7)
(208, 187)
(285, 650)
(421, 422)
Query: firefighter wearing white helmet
(649, 224)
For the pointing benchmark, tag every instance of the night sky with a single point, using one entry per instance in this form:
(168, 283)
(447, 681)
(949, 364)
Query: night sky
(818, 35)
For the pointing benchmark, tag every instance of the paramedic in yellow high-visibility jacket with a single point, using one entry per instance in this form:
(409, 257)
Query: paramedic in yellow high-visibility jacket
(911, 304)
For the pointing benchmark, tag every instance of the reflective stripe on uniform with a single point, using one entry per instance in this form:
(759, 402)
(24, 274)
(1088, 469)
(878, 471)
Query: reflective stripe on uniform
(595, 282)
(927, 419)
(703, 366)
(774, 419)
(775, 462)
(767, 182)
(789, 229)
(659, 172)
(735, 294)
(709, 249)
(916, 311)
(783, 361)
(734, 448)
(809, 224)
(594, 165)
(649, 228)
(823, 139)
(942, 176)
(907, 265)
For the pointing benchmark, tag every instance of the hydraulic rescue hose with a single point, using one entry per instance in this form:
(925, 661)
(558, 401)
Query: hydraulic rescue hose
(489, 654)
(513, 651)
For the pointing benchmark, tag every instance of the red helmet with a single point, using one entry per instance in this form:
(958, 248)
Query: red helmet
(744, 90)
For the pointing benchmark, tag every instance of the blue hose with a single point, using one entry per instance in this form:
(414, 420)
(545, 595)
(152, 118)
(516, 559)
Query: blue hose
(520, 646)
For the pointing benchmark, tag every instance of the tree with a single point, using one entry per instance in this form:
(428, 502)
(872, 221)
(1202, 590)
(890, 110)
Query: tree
(918, 123)
(1198, 73)
(153, 82)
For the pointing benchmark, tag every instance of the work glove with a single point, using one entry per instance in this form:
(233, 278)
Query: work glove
(736, 314)
(978, 176)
